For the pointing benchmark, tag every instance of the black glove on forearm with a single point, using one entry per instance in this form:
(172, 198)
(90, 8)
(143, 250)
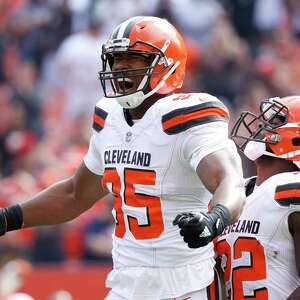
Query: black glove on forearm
(198, 229)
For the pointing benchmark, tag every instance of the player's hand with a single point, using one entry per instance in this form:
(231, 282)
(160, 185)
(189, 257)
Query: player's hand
(198, 229)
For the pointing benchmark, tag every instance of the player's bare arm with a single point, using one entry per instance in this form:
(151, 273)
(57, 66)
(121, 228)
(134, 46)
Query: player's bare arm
(59, 203)
(221, 173)
(223, 177)
(294, 226)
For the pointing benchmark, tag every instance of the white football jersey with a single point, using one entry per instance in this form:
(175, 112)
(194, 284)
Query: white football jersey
(150, 168)
(257, 252)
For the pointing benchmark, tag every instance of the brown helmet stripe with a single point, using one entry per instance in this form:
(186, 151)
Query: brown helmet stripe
(115, 32)
(126, 27)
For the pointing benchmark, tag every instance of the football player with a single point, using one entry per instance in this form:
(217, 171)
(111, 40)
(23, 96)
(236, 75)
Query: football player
(260, 253)
(159, 154)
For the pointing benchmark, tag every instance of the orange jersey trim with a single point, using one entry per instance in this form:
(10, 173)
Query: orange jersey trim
(195, 115)
(287, 194)
(184, 118)
(99, 119)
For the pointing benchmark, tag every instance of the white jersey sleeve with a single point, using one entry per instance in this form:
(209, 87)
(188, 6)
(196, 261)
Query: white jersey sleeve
(91, 159)
(201, 122)
(203, 140)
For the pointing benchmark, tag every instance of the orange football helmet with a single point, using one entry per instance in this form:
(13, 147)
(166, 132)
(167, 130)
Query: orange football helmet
(277, 127)
(148, 36)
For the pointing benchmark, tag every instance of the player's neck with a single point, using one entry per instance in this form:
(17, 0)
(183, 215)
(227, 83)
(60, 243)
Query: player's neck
(138, 112)
(268, 167)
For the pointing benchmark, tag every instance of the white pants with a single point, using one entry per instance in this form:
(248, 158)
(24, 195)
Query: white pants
(210, 292)
(197, 295)
(149, 283)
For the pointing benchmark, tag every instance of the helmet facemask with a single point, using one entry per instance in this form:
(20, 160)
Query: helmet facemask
(251, 129)
(118, 84)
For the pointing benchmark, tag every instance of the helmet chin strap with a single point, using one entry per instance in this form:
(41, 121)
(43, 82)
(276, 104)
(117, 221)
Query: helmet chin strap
(136, 99)
(255, 150)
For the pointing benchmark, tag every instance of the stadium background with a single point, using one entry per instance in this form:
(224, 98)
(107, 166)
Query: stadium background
(241, 51)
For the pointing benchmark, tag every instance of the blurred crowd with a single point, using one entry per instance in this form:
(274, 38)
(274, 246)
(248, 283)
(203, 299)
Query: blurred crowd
(239, 51)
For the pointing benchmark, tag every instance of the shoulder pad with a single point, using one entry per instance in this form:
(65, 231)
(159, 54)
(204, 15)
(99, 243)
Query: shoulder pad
(288, 193)
(183, 111)
(101, 111)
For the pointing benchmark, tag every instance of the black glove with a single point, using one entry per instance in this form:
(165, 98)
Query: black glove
(198, 229)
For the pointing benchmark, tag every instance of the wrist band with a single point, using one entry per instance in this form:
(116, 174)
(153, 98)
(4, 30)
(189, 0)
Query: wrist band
(223, 215)
(11, 218)
(3, 223)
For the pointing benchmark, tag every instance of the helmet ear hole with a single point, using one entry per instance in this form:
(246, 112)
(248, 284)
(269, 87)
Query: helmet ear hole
(296, 141)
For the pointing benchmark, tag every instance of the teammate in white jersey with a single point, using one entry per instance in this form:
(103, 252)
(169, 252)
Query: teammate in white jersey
(159, 154)
(260, 253)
